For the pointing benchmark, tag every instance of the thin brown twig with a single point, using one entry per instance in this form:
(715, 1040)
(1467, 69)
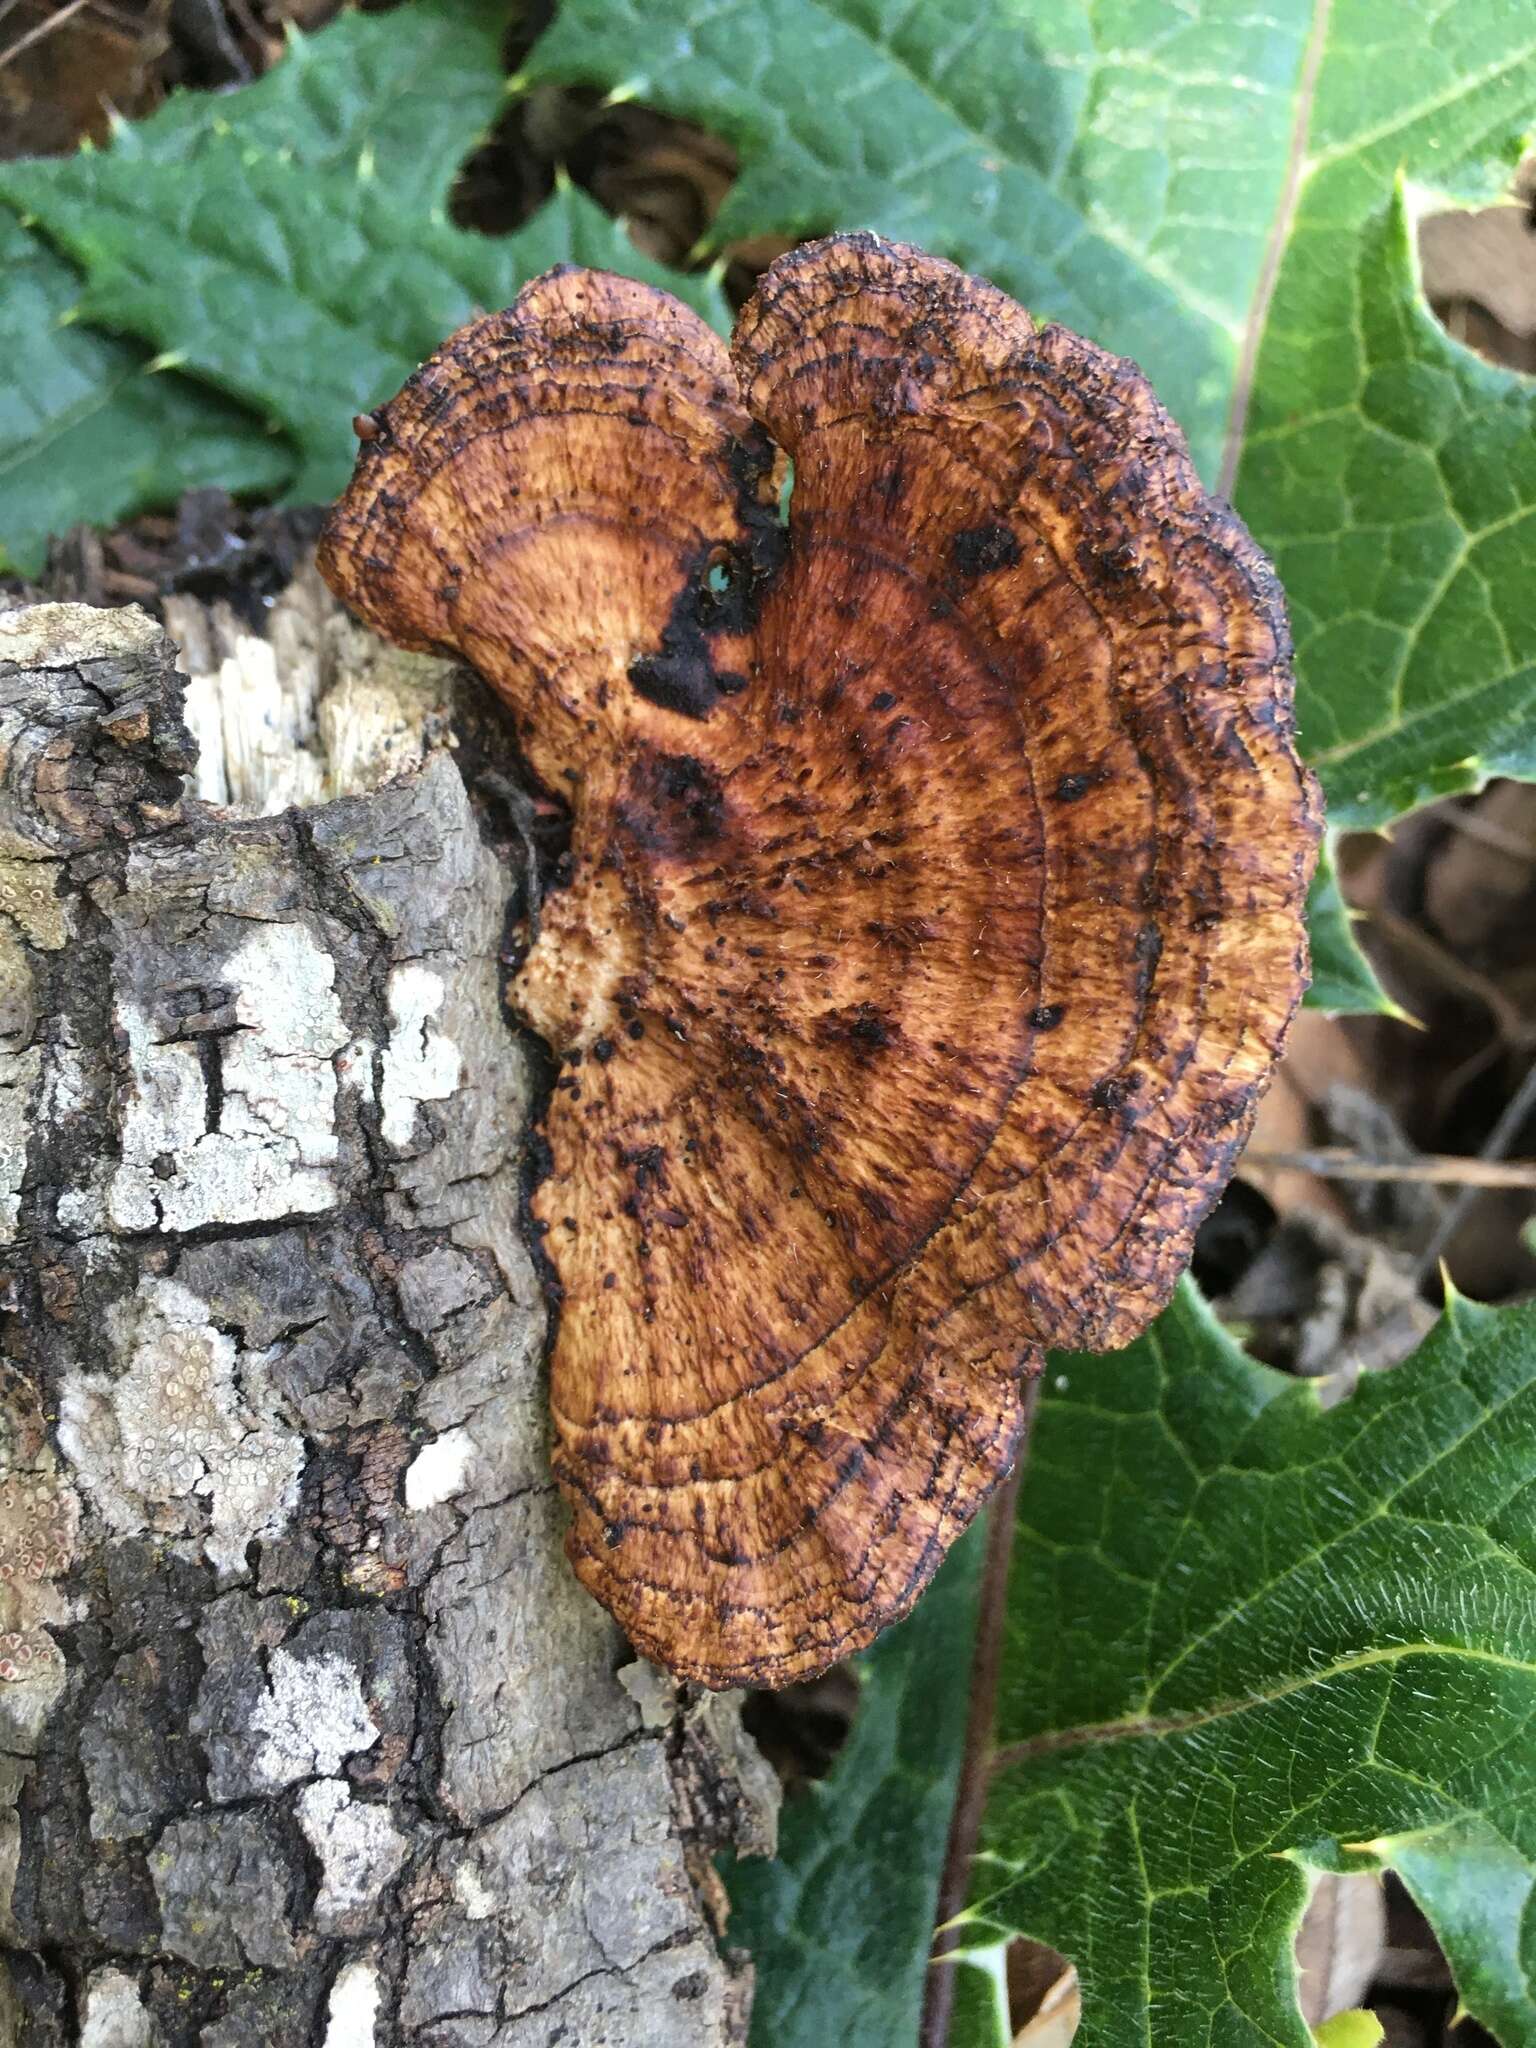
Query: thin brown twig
(1440, 1169)
(1449, 1089)
(247, 23)
(1475, 826)
(1512, 1027)
(975, 1767)
(1504, 1133)
(118, 18)
(42, 29)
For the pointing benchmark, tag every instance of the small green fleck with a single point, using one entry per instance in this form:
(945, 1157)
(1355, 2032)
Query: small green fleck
(1350, 2030)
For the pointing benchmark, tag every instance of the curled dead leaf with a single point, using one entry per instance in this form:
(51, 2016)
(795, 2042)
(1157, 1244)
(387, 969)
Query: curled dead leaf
(1045, 2001)
(934, 917)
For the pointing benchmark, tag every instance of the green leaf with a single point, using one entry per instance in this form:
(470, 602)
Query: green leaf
(1249, 1640)
(86, 430)
(839, 1923)
(1389, 471)
(289, 242)
(1343, 980)
(1116, 168)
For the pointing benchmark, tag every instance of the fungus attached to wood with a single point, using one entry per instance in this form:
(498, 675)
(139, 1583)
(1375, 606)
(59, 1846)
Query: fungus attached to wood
(934, 912)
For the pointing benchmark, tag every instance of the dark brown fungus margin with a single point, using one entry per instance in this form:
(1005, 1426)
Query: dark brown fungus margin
(935, 916)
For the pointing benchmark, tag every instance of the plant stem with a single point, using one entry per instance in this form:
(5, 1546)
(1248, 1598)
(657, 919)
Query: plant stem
(971, 1792)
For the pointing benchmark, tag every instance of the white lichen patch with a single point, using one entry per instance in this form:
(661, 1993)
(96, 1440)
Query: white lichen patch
(21, 1066)
(115, 2016)
(32, 1681)
(473, 1894)
(81, 1212)
(66, 1085)
(174, 1444)
(264, 1146)
(38, 1524)
(278, 1076)
(353, 2008)
(439, 1470)
(653, 1691)
(20, 1073)
(359, 1847)
(29, 894)
(313, 1716)
(70, 635)
(39, 1527)
(354, 1066)
(420, 1064)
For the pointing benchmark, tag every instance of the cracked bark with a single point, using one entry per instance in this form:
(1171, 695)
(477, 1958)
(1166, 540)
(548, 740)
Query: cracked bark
(309, 1736)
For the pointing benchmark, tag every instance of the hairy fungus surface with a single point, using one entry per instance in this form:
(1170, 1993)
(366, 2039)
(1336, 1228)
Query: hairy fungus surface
(934, 915)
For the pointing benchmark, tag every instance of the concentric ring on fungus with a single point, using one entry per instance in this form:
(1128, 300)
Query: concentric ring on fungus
(935, 909)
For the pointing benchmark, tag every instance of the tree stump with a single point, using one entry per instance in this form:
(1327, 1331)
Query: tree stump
(310, 1737)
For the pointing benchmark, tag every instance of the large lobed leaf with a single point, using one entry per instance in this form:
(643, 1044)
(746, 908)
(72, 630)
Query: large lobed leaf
(87, 430)
(1389, 471)
(1248, 1640)
(1343, 980)
(289, 244)
(1115, 168)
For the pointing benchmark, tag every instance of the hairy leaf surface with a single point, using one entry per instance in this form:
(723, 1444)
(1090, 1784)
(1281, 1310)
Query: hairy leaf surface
(87, 430)
(289, 243)
(839, 1922)
(1251, 1639)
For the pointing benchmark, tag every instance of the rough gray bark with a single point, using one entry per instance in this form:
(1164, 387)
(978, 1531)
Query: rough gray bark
(309, 1735)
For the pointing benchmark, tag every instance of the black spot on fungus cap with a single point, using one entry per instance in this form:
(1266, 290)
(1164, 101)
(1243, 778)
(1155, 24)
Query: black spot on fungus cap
(935, 904)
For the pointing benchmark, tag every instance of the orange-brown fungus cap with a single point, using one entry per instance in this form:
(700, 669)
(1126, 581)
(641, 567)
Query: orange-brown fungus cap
(935, 916)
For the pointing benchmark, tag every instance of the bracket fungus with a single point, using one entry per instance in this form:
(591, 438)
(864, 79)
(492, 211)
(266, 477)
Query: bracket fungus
(933, 914)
